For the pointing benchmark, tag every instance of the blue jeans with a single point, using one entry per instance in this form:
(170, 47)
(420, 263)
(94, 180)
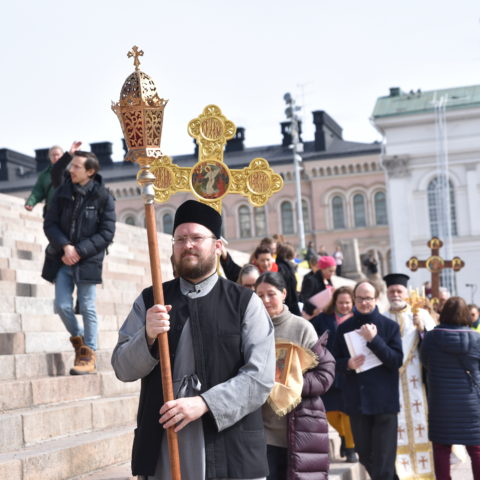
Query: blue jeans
(86, 293)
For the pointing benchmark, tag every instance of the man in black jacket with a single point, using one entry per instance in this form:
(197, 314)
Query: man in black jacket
(80, 224)
(371, 387)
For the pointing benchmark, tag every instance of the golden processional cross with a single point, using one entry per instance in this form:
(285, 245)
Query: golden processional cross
(140, 112)
(210, 179)
(435, 264)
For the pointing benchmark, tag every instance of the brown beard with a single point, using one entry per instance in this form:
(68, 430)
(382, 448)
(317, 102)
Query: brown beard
(203, 268)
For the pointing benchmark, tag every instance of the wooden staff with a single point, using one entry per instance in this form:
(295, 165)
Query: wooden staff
(139, 100)
(162, 338)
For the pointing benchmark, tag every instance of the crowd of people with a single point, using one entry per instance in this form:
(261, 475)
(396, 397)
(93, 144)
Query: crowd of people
(262, 363)
(288, 359)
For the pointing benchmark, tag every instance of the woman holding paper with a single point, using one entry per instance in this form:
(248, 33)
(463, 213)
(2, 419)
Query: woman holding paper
(294, 416)
(338, 310)
(320, 281)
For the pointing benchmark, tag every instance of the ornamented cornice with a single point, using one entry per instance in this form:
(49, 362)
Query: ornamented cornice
(396, 167)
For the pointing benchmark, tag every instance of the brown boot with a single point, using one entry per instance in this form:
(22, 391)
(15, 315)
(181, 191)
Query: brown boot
(77, 342)
(86, 363)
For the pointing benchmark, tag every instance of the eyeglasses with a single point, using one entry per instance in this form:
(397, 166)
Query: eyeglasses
(364, 299)
(192, 239)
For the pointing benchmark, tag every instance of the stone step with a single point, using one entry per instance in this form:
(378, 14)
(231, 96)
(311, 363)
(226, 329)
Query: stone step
(44, 364)
(117, 472)
(44, 305)
(34, 289)
(69, 457)
(32, 426)
(27, 393)
(30, 322)
(347, 471)
(19, 342)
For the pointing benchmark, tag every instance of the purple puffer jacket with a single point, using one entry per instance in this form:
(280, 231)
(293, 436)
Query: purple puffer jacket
(307, 424)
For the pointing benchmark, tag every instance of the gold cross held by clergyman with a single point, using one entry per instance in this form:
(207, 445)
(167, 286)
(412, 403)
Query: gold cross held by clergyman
(210, 179)
(435, 264)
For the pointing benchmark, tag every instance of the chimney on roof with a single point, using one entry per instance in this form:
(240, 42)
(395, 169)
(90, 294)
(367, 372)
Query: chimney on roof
(125, 148)
(42, 159)
(286, 128)
(235, 144)
(3, 164)
(326, 130)
(103, 151)
(395, 91)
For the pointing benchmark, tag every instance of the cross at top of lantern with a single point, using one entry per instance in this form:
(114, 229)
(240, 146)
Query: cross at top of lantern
(140, 111)
(135, 53)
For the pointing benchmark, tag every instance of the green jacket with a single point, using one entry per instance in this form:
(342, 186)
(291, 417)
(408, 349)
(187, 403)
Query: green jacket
(43, 189)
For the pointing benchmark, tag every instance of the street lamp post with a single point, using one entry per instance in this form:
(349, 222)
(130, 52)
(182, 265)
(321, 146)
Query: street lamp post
(297, 148)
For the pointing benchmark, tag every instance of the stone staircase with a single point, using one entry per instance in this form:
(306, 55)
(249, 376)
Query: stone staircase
(56, 426)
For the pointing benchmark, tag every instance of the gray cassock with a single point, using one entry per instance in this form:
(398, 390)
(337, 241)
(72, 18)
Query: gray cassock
(222, 399)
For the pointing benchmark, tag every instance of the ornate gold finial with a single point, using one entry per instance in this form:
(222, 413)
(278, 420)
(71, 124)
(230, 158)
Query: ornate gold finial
(135, 52)
(140, 111)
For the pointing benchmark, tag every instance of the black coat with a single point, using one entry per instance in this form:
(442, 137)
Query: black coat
(90, 229)
(447, 352)
(311, 285)
(333, 398)
(288, 274)
(374, 391)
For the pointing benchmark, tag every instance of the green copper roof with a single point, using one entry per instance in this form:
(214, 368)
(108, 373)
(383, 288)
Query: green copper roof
(401, 103)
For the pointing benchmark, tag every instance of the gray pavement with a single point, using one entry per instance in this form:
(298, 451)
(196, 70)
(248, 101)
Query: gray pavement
(462, 470)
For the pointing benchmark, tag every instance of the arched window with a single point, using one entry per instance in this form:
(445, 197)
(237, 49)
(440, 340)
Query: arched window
(359, 216)
(436, 204)
(244, 221)
(306, 216)
(338, 213)
(380, 208)
(130, 220)
(167, 221)
(287, 218)
(260, 221)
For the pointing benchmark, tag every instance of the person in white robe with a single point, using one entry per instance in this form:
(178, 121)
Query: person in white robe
(414, 451)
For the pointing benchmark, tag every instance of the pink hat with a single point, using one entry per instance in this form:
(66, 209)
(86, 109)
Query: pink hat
(326, 262)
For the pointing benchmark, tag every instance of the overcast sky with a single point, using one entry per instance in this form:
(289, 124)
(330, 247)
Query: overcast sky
(63, 62)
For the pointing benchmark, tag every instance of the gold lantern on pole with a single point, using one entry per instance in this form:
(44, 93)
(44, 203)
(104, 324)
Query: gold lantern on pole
(140, 111)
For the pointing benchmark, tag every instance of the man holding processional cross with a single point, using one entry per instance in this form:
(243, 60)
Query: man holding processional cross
(414, 451)
(223, 357)
(218, 333)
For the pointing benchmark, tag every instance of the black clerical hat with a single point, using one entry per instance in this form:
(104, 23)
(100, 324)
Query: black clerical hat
(192, 211)
(396, 279)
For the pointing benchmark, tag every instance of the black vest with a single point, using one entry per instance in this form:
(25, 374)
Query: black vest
(216, 323)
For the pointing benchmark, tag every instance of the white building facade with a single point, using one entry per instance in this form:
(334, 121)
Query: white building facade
(412, 147)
